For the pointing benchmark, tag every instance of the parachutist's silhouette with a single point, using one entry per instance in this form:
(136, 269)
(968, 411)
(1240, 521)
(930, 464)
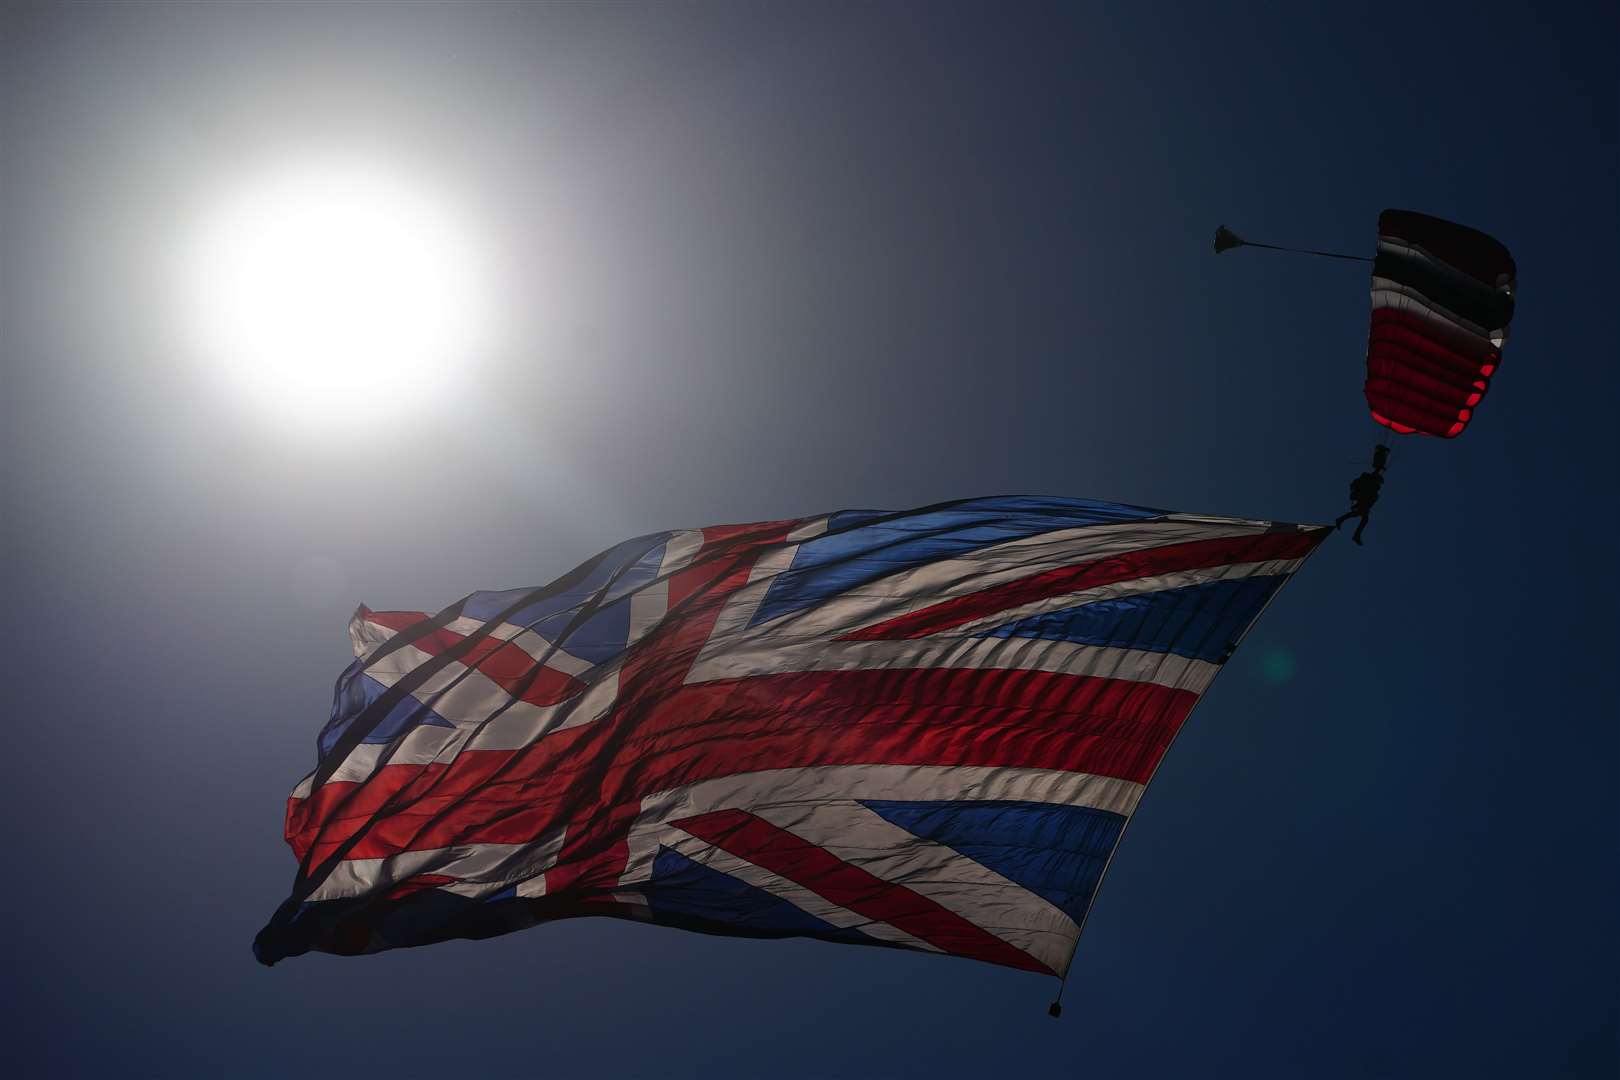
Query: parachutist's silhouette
(1364, 492)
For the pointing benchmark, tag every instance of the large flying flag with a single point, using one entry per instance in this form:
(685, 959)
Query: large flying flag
(924, 730)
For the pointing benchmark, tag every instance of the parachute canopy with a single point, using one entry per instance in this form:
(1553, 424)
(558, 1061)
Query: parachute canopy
(1442, 298)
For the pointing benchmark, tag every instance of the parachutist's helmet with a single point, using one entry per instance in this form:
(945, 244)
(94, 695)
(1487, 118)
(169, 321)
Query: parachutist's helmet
(1380, 456)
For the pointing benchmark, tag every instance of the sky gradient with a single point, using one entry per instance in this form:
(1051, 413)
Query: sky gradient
(766, 262)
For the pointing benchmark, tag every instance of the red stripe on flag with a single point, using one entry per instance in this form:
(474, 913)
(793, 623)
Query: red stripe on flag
(596, 845)
(723, 547)
(932, 716)
(847, 885)
(1193, 555)
(394, 620)
(419, 883)
(509, 666)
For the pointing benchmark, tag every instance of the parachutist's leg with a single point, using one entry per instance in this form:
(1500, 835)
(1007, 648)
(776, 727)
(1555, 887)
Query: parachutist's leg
(1346, 516)
(1356, 536)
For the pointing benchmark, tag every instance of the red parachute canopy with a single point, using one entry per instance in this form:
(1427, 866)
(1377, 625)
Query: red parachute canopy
(1442, 297)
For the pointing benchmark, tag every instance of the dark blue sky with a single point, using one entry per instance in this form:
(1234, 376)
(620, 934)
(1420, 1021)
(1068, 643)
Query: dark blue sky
(771, 263)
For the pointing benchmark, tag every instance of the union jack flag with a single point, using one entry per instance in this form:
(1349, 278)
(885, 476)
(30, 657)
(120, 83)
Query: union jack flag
(923, 729)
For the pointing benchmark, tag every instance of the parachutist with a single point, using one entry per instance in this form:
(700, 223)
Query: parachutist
(1364, 492)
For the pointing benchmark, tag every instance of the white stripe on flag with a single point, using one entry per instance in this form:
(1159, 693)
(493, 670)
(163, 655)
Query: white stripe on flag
(481, 868)
(754, 656)
(1119, 589)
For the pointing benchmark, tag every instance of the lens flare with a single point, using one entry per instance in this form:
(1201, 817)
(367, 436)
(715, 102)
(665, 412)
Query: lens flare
(1277, 665)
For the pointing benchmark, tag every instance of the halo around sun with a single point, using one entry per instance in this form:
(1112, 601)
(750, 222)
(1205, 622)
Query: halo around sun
(325, 290)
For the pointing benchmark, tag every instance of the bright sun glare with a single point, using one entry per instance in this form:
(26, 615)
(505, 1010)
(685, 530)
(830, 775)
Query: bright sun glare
(334, 290)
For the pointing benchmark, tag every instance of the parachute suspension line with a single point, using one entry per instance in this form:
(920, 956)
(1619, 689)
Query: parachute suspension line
(1226, 240)
(1310, 251)
(1386, 439)
(1055, 1009)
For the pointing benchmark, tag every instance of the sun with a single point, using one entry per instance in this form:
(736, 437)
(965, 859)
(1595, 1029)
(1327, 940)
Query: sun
(330, 290)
